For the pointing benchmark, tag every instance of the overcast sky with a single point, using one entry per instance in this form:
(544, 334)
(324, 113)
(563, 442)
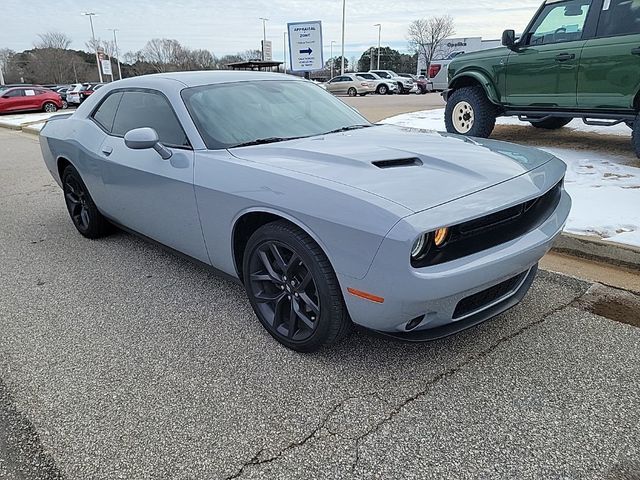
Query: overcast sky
(225, 27)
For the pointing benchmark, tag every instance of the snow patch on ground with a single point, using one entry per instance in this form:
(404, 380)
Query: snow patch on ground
(606, 194)
(18, 120)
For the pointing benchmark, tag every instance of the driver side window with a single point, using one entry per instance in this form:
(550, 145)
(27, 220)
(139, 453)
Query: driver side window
(560, 22)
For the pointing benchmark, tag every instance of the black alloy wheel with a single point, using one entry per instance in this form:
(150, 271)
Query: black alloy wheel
(293, 289)
(83, 212)
(285, 291)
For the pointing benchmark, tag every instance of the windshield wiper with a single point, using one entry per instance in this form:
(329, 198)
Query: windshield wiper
(263, 141)
(346, 129)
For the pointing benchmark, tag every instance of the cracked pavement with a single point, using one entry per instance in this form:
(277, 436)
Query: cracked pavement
(124, 361)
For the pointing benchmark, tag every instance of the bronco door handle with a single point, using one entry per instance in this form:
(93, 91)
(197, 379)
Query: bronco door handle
(635, 51)
(564, 57)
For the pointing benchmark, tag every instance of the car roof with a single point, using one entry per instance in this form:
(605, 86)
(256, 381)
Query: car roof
(196, 79)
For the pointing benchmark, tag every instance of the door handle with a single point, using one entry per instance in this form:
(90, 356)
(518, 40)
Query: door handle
(107, 150)
(635, 51)
(564, 57)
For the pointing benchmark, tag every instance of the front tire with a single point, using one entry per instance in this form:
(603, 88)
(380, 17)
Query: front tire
(382, 90)
(470, 112)
(83, 212)
(553, 123)
(293, 289)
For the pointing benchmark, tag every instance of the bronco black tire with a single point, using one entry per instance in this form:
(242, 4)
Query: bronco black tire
(553, 123)
(83, 212)
(636, 136)
(470, 112)
(293, 289)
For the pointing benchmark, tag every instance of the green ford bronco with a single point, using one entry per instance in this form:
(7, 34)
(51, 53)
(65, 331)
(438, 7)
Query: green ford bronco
(576, 59)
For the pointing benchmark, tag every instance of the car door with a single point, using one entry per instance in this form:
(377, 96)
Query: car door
(333, 85)
(145, 193)
(12, 100)
(609, 76)
(543, 71)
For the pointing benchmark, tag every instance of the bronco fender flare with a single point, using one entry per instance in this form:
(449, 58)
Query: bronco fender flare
(464, 79)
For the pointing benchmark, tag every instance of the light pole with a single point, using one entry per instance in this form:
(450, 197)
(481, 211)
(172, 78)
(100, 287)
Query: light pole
(344, 10)
(332, 60)
(1, 76)
(264, 34)
(284, 49)
(115, 43)
(93, 38)
(379, 25)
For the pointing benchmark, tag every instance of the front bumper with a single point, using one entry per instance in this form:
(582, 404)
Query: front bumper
(433, 294)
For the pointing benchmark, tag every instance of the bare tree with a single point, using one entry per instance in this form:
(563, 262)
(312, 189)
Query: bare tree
(427, 34)
(53, 40)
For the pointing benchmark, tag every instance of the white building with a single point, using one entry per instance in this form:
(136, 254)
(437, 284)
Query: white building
(454, 45)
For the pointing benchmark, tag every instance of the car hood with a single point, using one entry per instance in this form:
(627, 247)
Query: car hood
(413, 168)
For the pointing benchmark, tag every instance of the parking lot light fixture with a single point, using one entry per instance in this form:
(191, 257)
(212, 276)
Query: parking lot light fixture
(264, 34)
(379, 25)
(344, 10)
(332, 61)
(115, 44)
(93, 39)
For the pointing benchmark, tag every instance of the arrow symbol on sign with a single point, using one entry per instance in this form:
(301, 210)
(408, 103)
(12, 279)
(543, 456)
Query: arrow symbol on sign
(307, 51)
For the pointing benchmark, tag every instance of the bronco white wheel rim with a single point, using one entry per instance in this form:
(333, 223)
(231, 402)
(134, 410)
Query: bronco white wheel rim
(463, 117)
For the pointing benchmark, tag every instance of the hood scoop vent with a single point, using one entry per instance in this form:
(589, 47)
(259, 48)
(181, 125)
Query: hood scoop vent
(397, 163)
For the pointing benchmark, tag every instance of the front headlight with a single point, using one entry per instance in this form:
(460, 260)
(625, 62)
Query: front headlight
(426, 241)
(420, 247)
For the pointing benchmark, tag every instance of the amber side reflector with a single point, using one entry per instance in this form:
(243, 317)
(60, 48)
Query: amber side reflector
(365, 295)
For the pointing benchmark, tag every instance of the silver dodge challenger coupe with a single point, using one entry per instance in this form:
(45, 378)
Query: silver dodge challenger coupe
(326, 219)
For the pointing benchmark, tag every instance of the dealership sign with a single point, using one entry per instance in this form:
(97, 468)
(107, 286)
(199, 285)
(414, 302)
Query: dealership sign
(305, 46)
(106, 67)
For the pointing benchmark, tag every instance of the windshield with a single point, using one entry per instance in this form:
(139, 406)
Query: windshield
(233, 114)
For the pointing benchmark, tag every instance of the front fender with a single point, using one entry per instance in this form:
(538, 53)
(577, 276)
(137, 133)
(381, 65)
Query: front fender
(462, 78)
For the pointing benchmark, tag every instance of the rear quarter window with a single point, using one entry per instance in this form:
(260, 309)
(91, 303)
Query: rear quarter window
(105, 114)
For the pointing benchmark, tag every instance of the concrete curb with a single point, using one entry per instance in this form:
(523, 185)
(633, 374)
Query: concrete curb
(10, 126)
(31, 129)
(592, 248)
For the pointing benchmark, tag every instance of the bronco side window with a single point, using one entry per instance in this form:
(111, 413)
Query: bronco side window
(619, 17)
(559, 22)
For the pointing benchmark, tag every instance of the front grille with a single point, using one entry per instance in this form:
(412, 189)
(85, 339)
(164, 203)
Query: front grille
(494, 229)
(486, 297)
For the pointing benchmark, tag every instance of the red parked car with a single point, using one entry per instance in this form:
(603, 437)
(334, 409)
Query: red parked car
(23, 99)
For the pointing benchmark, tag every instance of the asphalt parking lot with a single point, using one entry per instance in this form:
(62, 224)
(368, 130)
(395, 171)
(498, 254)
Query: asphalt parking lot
(119, 360)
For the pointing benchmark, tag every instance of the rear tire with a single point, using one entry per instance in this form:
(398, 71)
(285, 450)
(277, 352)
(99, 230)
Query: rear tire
(382, 90)
(293, 289)
(83, 212)
(470, 112)
(635, 136)
(50, 107)
(352, 92)
(553, 123)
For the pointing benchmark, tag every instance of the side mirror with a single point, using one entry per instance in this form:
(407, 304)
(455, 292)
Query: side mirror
(509, 39)
(145, 138)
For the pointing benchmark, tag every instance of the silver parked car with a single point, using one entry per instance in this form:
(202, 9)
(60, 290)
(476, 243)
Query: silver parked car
(324, 218)
(350, 84)
(382, 86)
(405, 85)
